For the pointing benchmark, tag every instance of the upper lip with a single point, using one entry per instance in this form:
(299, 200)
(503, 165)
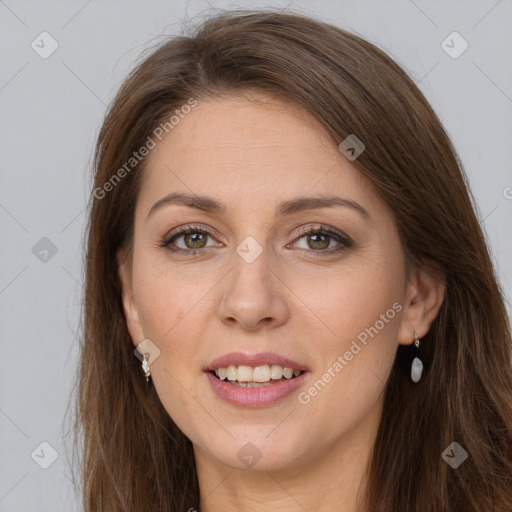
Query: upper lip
(239, 358)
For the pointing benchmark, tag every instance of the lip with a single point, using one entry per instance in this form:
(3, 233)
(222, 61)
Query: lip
(239, 358)
(255, 397)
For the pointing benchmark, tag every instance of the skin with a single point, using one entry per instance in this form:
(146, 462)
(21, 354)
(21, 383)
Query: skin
(251, 156)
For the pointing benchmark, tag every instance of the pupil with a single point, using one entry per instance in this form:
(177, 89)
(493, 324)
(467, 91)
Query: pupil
(323, 245)
(195, 238)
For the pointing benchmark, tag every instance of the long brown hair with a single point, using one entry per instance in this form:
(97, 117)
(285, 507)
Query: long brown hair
(132, 455)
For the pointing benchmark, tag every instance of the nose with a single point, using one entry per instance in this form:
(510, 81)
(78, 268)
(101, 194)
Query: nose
(254, 297)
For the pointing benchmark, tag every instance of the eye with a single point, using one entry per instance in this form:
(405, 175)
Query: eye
(194, 239)
(320, 239)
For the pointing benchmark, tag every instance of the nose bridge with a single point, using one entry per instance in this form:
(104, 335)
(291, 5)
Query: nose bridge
(251, 292)
(250, 279)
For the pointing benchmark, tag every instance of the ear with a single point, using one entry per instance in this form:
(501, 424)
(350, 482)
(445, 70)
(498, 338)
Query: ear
(130, 309)
(424, 297)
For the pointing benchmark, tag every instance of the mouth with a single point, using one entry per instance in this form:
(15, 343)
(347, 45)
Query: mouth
(254, 377)
(257, 380)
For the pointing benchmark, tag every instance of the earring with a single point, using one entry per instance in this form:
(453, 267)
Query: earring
(417, 365)
(145, 366)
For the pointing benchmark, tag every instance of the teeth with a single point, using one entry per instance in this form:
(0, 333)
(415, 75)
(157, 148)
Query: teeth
(288, 373)
(251, 384)
(230, 372)
(261, 373)
(276, 371)
(246, 375)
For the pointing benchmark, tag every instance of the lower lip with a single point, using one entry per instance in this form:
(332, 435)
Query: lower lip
(255, 397)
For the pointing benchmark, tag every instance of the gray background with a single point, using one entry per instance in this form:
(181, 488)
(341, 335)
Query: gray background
(51, 110)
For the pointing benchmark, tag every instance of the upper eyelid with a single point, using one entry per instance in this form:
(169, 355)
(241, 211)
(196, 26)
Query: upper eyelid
(211, 231)
(181, 231)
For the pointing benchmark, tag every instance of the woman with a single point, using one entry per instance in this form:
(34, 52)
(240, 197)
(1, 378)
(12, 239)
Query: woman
(283, 235)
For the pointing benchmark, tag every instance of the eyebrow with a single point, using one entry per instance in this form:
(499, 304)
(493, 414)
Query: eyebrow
(289, 207)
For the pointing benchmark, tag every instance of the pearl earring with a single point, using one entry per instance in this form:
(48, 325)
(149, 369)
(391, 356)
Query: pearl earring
(417, 365)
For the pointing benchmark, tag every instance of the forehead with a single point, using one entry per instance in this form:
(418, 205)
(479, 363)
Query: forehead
(250, 152)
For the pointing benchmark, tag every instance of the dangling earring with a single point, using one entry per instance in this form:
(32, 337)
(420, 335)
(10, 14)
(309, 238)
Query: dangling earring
(417, 365)
(145, 366)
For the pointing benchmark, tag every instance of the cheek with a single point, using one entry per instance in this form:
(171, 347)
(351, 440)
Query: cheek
(357, 348)
(171, 319)
(351, 301)
(167, 297)
(165, 316)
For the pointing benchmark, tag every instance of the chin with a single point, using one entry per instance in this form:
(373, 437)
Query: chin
(260, 451)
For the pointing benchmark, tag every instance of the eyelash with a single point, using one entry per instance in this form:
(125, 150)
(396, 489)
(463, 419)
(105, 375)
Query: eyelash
(344, 241)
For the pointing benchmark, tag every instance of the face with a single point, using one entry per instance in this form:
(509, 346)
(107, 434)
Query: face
(274, 279)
